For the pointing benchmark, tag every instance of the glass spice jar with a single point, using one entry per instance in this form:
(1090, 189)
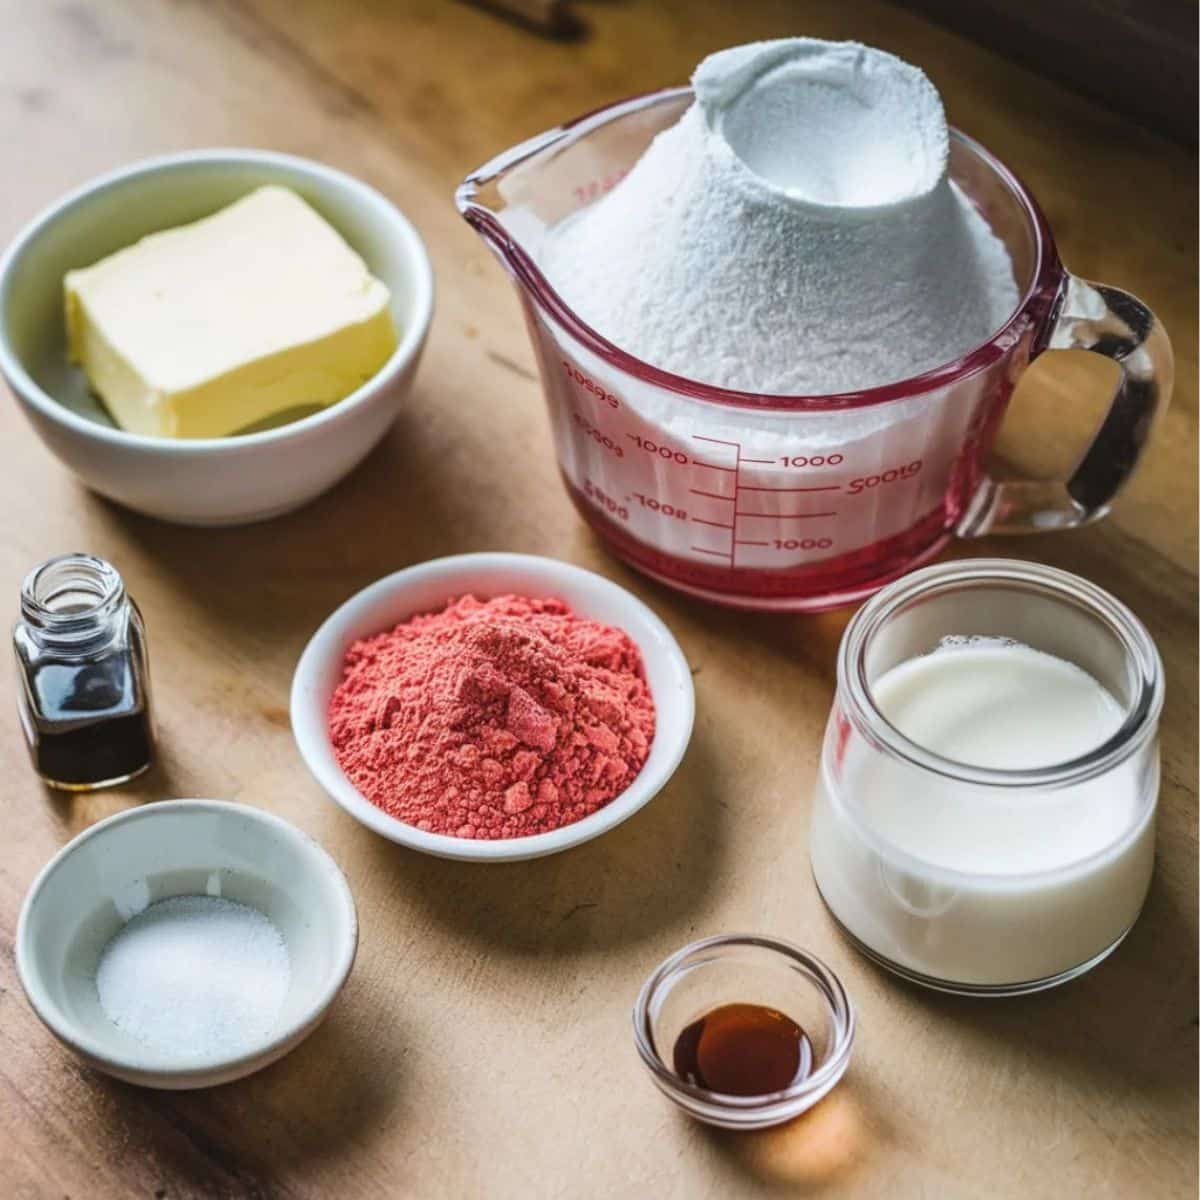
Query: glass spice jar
(83, 694)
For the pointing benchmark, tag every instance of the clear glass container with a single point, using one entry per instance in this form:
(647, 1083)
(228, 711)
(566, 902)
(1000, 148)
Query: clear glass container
(1079, 835)
(84, 683)
(744, 969)
(804, 502)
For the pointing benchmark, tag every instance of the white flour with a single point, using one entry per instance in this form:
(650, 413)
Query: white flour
(795, 232)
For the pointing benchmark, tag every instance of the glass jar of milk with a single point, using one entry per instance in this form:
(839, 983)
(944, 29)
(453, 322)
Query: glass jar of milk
(984, 817)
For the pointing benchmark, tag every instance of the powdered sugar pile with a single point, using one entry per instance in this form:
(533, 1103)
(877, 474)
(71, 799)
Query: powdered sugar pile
(195, 976)
(796, 232)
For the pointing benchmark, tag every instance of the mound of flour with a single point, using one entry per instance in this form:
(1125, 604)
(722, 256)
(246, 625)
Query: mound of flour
(795, 232)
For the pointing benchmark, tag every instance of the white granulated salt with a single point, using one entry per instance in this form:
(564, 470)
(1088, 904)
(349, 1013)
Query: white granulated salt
(796, 231)
(199, 976)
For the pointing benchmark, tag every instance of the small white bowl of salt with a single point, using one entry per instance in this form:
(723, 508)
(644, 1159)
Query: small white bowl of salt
(186, 943)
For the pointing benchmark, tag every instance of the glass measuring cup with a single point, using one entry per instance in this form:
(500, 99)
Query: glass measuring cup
(804, 502)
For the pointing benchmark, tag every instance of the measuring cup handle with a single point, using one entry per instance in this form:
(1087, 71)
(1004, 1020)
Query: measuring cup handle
(1108, 321)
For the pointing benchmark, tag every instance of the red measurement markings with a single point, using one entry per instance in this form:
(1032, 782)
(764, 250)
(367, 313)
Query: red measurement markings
(597, 435)
(593, 189)
(659, 450)
(589, 385)
(786, 516)
(737, 484)
(813, 460)
(660, 506)
(892, 475)
(736, 471)
(766, 462)
(713, 467)
(600, 497)
(819, 543)
(831, 488)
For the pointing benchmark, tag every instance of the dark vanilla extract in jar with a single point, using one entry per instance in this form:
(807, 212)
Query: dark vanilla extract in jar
(84, 688)
(743, 1050)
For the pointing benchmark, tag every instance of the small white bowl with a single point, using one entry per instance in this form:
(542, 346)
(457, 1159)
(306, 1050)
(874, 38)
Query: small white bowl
(201, 481)
(85, 893)
(427, 587)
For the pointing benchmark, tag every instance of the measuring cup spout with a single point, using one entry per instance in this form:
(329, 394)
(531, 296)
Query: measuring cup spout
(480, 197)
(512, 200)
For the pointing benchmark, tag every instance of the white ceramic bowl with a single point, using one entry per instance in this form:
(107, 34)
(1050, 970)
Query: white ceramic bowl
(172, 848)
(429, 586)
(202, 481)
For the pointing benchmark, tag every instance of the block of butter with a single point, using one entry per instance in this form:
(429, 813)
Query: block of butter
(251, 313)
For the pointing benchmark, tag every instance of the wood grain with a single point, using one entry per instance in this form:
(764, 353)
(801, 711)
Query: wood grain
(1137, 57)
(482, 1046)
(550, 17)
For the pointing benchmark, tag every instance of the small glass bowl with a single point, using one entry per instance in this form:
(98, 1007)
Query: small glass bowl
(744, 969)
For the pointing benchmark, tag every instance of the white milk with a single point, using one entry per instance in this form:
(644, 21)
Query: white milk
(985, 885)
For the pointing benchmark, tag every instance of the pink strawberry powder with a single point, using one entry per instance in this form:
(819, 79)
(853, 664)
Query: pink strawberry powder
(493, 719)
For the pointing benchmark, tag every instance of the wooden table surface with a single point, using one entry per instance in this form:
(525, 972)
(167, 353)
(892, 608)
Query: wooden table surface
(482, 1046)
